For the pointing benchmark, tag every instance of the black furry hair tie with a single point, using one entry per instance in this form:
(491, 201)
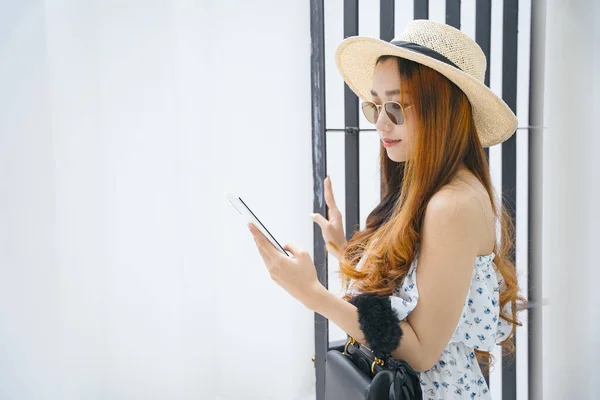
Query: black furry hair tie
(379, 323)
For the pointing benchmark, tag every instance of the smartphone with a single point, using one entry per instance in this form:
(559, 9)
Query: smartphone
(250, 217)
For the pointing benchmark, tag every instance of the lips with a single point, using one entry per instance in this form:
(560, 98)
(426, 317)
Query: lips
(389, 142)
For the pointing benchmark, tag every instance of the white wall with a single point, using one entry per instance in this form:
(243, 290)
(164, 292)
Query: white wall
(571, 198)
(123, 271)
(29, 273)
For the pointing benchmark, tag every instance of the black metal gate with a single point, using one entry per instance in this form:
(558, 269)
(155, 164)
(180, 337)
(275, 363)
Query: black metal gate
(483, 13)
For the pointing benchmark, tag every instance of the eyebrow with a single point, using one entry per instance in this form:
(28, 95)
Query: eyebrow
(387, 93)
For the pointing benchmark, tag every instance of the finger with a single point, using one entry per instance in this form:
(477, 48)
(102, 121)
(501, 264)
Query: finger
(329, 199)
(266, 258)
(264, 243)
(320, 220)
(332, 248)
(294, 249)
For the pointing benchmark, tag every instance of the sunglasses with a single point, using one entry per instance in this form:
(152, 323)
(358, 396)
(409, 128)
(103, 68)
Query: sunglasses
(394, 111)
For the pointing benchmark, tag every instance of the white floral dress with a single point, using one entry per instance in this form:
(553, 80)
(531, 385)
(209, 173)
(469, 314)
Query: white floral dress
(457, 374)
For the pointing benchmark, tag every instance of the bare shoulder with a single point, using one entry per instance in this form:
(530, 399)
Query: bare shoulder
(459, 210)
(453, 204)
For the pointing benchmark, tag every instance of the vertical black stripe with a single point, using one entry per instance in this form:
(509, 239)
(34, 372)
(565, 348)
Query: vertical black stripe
(453, 13)
(351, 125)
(483, 22)
(387, 33)
(509, 155)
(386, 20)
(535, 163)
(319, 164)
(421, 9)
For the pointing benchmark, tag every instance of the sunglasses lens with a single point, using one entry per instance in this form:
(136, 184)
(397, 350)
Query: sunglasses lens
(394, 112)
(370, 111)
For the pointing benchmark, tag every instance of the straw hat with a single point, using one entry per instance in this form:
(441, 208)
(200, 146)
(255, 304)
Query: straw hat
(444, 49)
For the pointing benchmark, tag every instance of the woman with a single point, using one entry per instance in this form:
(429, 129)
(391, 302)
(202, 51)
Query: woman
(429, 264)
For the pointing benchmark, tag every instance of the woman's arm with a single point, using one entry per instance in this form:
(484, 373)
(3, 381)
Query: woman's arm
(449, 246)
(345, 315)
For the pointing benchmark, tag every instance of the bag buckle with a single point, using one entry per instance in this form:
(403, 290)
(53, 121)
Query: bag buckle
(351, 341)
(377, 361)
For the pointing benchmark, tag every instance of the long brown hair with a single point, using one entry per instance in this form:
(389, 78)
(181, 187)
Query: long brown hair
(445, 140)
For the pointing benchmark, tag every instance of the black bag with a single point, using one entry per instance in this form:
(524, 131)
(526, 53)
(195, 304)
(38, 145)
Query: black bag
(352, 372)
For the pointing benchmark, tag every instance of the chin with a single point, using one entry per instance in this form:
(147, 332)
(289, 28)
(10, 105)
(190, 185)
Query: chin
(395, 156)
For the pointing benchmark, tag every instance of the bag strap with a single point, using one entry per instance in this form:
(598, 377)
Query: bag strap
(376, 360)
(387, 362)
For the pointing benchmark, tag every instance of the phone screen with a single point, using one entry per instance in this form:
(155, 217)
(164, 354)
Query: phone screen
(238, 203)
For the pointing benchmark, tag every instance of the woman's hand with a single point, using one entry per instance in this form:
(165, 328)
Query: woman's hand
(297, 274)
(332, 230)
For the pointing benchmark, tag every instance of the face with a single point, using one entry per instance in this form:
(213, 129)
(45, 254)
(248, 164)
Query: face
(387, 86)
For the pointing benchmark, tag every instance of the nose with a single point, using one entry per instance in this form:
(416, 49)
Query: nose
(383, 123)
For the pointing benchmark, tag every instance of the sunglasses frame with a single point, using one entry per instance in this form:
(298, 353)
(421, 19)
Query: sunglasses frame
(378, 107)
